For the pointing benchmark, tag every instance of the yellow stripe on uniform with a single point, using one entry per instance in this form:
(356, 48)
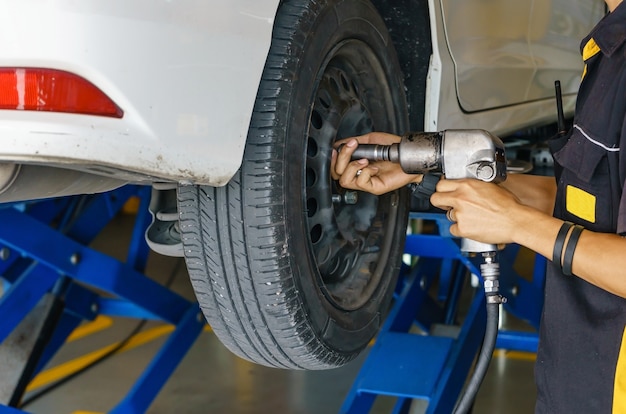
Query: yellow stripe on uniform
(580, 203)
(619, 387)
(590, 50)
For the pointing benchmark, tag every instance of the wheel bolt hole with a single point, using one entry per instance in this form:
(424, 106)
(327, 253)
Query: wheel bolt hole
(324, 98)
(344, 81)
(354, 88)
(312, 148)
(316, 120)
(311, 177)
(334, 266)
(335, 85)
(316, 233)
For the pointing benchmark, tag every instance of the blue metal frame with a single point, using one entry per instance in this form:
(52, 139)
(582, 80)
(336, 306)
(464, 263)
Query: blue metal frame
(433, 364)
(44, 244)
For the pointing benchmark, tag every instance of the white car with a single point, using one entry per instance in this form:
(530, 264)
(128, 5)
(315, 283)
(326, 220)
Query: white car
(229, 109)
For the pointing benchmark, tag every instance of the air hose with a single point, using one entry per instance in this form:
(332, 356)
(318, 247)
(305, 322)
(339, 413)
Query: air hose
(490, 271)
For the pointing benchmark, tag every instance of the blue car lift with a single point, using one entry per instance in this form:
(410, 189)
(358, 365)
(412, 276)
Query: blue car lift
(422, 352)
(45, 258)
(44, 254)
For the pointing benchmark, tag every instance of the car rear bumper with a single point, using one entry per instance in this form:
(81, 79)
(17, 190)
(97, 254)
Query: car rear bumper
(185, 74)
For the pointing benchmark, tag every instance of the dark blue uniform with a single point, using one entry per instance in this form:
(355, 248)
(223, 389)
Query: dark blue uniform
(581, 361)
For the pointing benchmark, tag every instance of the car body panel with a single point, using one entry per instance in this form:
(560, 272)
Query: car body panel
(508, 52)
(504, 80)
(185, 73)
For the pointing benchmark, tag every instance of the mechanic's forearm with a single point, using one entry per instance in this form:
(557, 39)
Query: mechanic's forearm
(535, 191)
(599, 257)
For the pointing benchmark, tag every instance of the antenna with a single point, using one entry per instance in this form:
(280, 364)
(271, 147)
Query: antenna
(560, 118)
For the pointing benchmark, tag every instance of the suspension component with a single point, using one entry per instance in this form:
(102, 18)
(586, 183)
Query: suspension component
(163, 235)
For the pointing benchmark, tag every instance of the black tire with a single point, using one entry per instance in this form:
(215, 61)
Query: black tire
(287, 273)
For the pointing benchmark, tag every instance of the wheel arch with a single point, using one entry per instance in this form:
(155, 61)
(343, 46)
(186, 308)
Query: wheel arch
(408, 24)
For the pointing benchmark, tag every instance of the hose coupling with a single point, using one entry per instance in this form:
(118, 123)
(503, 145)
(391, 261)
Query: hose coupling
(495, 299)
(491, 285)
(490, 271)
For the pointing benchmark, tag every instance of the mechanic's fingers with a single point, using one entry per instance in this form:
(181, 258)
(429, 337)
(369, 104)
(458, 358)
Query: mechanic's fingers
(344, 157)
(364, 178)
(353, 172)
(447, 194)
(444, 201)
(445, 185)
(436, 200)
(454, 230)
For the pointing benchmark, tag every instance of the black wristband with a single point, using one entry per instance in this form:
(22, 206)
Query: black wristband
(559, 242)
(426, 187)
(568, 258)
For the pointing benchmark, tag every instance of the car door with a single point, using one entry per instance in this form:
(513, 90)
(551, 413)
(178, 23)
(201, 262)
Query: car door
(489, 44)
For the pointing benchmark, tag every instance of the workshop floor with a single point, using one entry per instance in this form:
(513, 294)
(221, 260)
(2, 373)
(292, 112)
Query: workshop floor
(211, 380)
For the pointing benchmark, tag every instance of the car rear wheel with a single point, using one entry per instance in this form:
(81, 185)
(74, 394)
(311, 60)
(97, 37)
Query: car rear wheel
(291, 270)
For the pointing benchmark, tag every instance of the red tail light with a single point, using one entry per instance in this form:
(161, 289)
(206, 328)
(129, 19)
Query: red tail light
(35, 89)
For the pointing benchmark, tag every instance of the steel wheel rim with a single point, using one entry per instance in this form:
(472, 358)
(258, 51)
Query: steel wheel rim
(349, 232)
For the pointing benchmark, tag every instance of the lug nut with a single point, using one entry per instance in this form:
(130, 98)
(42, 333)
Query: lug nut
(351, 197)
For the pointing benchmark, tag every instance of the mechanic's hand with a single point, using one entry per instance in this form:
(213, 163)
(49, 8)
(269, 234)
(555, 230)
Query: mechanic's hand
(376, 177)
(480, 211)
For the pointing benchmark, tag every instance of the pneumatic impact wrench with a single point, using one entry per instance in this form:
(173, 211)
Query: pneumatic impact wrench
(457, 154)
